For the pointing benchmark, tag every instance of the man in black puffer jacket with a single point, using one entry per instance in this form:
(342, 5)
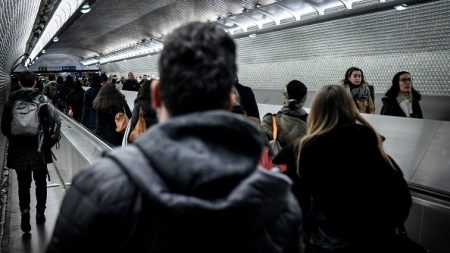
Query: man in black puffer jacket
(191, 183)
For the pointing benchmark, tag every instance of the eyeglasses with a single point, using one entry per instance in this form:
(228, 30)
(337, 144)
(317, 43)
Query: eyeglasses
(405, 79)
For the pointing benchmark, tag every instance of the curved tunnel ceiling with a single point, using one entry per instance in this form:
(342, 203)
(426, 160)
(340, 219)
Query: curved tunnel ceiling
(115, 24)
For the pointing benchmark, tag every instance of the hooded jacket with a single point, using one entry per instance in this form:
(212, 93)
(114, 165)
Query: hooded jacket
(291, 125)
(188, 185)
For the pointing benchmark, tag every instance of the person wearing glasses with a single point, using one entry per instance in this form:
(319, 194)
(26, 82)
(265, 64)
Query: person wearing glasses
(402, 99)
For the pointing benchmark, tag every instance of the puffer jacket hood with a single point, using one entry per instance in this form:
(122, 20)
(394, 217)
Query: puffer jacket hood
(191, 184)
(24, 93)
(203, 167)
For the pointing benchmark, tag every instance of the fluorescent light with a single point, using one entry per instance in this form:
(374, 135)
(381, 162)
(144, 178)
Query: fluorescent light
(63, 12)
(144, 48)
(43, 51)
(401, 7)
(85, 8)
(55, 39)
(90, 61)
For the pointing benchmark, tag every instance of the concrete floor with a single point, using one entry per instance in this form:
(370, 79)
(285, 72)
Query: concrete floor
(14, 239)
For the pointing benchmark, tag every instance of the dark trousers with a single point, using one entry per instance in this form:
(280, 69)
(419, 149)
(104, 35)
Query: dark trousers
(40, 180)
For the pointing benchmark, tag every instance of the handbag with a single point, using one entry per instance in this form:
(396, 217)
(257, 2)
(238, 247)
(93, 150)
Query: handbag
(139, 128)
(121, 120)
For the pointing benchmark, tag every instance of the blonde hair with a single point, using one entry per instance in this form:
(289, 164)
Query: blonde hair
(333, 106)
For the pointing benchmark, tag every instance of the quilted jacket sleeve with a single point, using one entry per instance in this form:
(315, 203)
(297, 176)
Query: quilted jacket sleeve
(96, 211)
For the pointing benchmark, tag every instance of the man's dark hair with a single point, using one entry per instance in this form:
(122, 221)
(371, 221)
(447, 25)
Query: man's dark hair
(296, 90)
(104, 77)
(197, 68)
(27, 79)
(51, 77)
(60, 80)
(95, 80)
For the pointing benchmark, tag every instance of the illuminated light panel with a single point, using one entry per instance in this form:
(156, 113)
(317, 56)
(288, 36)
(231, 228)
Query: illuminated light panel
(401, 7)
(85, 8)
(144, 48)
(64, 11)
(90, 61)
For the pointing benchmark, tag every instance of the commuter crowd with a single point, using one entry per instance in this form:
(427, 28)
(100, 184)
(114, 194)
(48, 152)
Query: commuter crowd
(207, 175)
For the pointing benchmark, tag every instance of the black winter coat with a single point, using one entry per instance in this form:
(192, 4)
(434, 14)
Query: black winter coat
(106, 124)
(131, 85)
(188, 185)
(75, 100)
(351, 197)
(391, 108)
(89, 116)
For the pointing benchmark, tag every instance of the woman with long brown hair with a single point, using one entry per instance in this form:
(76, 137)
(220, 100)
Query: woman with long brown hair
(353, 195)
(108, 102)
(361, 92)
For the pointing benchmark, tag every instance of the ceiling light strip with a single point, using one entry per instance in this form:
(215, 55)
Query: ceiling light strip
(64, 11)
(145, 48)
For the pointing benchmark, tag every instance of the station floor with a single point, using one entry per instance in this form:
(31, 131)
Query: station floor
(14, 240)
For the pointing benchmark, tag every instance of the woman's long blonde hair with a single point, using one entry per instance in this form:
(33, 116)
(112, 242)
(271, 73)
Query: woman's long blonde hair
(333, 106)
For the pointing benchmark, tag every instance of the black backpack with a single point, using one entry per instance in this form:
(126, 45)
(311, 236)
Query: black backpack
(49, 128)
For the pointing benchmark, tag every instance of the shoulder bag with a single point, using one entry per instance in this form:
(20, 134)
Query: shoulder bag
(139, 128)
(121, 119)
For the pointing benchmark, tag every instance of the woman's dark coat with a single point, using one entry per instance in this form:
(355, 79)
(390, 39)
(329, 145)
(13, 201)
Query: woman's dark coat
(106, 124)
(350, 196)
(391, 107)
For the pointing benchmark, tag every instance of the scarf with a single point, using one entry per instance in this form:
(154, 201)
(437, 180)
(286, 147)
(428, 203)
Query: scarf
(404, 100)
(359, 93)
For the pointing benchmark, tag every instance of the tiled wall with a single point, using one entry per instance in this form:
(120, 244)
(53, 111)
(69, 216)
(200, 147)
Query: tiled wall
(416, 40)
(16, 22)
(383, 43)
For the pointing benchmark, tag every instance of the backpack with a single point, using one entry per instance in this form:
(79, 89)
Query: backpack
(25, 118)
(269, 153)
(48, 125)
(50, 133)
(52, 87)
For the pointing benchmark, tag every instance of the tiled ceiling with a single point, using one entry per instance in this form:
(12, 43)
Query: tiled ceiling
(115, 24)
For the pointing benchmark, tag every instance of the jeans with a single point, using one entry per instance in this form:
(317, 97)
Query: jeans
(40, 180)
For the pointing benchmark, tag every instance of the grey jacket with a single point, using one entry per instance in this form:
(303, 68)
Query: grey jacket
(189, 185)
(291, 125)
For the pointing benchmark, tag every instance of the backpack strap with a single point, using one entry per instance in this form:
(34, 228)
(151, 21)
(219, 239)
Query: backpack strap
(274, 128)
